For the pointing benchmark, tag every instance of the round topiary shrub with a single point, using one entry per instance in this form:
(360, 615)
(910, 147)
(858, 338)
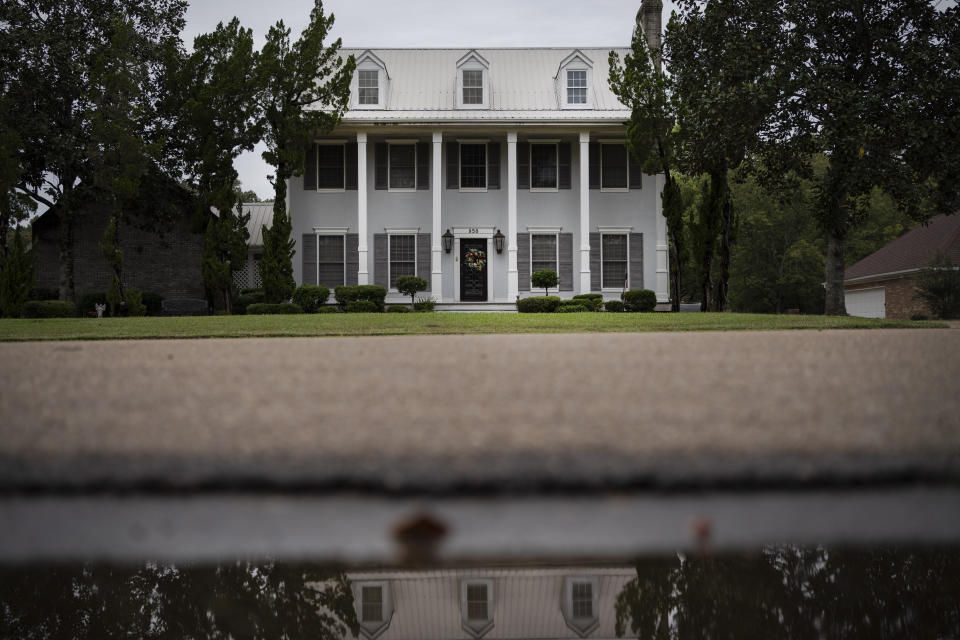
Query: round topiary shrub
(411, 286)
(362, 306)
(398, 308)
(571, 308)
(639, 300)
(310, 297)
(538, 304)
(613, 305)
(544, 280)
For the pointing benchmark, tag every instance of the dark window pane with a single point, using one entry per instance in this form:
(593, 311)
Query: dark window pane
(543, 166)
(473, 166)
(367, 83)
(330, 260)
(582, 600)
(543, 252)
(613, 166)
(403, 166)
(403, 258)
(614, 251)
(372, 604)
(330, 166)
(477, 602)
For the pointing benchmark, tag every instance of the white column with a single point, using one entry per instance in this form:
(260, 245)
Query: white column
(584, 212)
(663, 265)
(513, 286)
(436, 249)
(363, 275)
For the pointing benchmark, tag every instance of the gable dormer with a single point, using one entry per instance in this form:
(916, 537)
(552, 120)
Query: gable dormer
(574, 81)
(371, 82)
(473, 81)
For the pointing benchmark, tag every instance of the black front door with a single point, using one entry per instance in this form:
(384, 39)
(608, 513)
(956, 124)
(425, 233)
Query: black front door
(473, 270)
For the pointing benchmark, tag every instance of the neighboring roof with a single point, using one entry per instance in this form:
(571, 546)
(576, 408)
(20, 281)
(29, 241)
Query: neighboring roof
(261, 213)
(522, 86)
(913, 250)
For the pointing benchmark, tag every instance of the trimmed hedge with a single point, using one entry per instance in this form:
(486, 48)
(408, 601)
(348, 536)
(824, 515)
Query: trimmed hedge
(398, 308)
(538, 304)
(244, 300)
(613, 305)
(362, 306)
(328, 308)
(363, 292)
(49, 309)
(639, 300)
(310, 297)
(593, 301)
(266, 308)
(571, 308)
(153, 302)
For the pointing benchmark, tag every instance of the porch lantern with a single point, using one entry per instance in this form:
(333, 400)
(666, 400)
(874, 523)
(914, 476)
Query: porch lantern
(447, 241)
(498, 241)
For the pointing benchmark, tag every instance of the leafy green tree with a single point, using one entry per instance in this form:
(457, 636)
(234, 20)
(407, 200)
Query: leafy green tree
(411, 286)
(224, 249)
(876, 87)
(544, 279)
(641, 84)
(17, 272)
(939, 286)
(305, 89)
(81, 85)
(110, 247)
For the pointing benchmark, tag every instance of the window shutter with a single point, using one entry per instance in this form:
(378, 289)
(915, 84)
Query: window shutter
(636, 172)
(594, 166)
(423, 166)
(595, 283)
(380, 259)
(523, 261)
(563, 165)
(493, 165)
(565, 265)
(351, 258)
(310, 169)
(423, 257)
(636, 261)
(523, 167)
(380, 165)
(308, 258)
(351, 168)
(453, 165)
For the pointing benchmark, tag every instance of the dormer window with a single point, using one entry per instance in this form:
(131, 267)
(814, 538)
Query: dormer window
(374, 607)
(576, 86)
(476, 606)
(580, 604)
(473, 82)
(368, 86)
(472, 86)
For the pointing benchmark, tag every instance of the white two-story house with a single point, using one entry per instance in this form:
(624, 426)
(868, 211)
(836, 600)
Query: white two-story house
(473, 168)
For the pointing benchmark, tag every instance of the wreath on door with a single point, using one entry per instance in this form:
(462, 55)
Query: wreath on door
(476, 259)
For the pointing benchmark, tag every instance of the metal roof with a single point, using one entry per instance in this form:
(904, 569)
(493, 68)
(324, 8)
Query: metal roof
(261, 213)
(422, 86)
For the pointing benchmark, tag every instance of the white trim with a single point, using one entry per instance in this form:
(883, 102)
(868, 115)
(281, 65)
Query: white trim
(544, 230)
(476, 627)
(330, 231)
(403, 142)
(887, 274)
(373, 629)
(486, 171)
(607, 229)
(400, 231)
(621, 143)
(467, 233)
(473, 61)
(556, 166)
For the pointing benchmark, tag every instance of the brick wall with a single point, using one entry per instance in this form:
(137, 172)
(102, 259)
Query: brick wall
(899, 294)
(170, 265)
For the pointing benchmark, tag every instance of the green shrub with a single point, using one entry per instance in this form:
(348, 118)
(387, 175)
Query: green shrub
(248, 290)
(939, 286)
(328, 308)
(244, 300)
(613, 305)
(88, 302)
(639, 300)
(153, 302)
(43, 293)
(362, 306)
(593, 301)
(424, 304)
(266, 308)
(49, 309)
(544, 280)
(411, 286)
(538, 304)
(918, 316)
(367, 292)
(571, 308)
(134, 303)
(398, 308)
(311, 296)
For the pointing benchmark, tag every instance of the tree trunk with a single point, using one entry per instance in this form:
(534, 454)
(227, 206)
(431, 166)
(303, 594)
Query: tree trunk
(65, 238)
(674, 248)
(726, 240)
(836, 257)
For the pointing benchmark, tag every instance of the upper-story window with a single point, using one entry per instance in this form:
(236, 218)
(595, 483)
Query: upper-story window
(374, 607)
(402, 166)
(614, 166)
(476, 606)
(582, 596)
(473, 165)
(331, 166)
(577, 86)
(580, 604)
(368, 86)
(371, 604)
(472, 86)
(473, 90)
(543, 165)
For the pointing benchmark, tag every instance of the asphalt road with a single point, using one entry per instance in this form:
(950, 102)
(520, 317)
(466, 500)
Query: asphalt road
(487, 413)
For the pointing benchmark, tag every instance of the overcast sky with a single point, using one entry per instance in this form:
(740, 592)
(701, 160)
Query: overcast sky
(426, 23)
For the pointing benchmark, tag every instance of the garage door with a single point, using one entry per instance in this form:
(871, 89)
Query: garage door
(867, 303)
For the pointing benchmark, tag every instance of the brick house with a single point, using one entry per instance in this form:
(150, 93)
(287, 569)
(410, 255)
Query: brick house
(162, 254)
(883, 285)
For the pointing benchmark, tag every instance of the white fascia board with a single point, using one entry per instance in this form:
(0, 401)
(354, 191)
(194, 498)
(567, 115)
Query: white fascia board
(881, 276)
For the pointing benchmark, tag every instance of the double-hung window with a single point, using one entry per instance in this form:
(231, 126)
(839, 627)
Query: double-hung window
(576, 86)
(473, 165)
(477, 602)
(613, 254)
(403, 257)
(543, 252)
(403, 166)
(368, 86)
(371, 604)
(331, 166)
(614, 167)
(543, 165)
(330, 264)
(582, 596)
(472, 86)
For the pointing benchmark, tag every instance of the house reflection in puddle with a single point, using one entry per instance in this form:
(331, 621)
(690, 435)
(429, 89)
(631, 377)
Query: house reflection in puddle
(776, 592)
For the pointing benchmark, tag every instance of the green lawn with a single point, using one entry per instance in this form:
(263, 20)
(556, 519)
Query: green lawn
(381, 324)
